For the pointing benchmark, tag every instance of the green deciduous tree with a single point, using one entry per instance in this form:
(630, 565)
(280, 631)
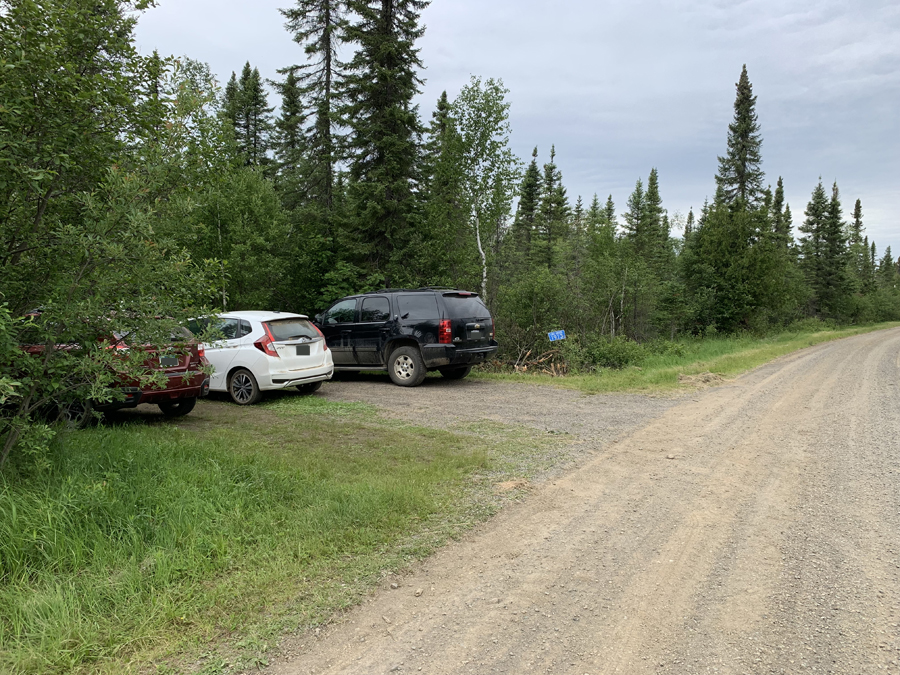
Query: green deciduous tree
(491, 171)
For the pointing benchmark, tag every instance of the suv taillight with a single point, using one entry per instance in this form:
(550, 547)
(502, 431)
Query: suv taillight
(444, 333)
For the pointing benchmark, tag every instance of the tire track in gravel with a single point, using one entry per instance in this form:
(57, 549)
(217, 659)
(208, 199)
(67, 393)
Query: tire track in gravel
(769, 544)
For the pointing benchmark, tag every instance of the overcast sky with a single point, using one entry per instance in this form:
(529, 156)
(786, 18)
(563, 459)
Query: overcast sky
(622, 87)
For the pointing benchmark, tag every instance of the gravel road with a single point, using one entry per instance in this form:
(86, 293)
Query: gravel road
(749, 528)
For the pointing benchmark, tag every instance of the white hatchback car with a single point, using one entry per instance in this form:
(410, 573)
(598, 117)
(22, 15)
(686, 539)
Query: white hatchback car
(261, 351)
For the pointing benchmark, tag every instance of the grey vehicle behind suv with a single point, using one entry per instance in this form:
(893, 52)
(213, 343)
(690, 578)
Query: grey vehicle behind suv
(409, 332)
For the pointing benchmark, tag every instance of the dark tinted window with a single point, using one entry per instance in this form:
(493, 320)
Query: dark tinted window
(245, 328)
(418, 306)
(290, 329)
(375, 309)
(465, 307)
(342, 312)
(228, 328)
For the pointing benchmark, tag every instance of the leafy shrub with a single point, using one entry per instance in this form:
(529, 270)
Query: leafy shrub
(592, 352)
(811, 325)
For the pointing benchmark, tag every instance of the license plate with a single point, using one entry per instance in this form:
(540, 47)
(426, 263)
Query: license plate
(302, 350)
(169, 361)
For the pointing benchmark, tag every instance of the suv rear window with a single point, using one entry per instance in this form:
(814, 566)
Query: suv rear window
(290, 329)
(464, 307)
(418, 306)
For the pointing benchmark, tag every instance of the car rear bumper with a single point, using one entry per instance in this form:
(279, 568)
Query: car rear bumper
(294, 378)
(438, 356)
(134, 396)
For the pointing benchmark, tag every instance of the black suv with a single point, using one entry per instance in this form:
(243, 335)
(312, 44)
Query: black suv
(409, 332)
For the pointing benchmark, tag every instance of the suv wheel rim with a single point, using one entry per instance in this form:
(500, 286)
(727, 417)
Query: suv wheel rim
(404, 367)
(242, 387)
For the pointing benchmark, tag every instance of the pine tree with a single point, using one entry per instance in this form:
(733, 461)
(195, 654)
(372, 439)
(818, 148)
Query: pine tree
(526, 212)
(381, 84)
(823, 250)
(634, 214)
(780, 215)
(740, 178)
(578, 218)
(290, 143)
(553, 212)
(245, 105)
(647, 225)
(445, 256)
(610, 212)
(318, 26)
(833, 288)
(689, 224)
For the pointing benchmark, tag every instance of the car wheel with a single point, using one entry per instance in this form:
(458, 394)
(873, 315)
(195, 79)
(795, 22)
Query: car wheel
(178, 407)
(406, 367)
(457, 373)
(310, 388)
(75, 415)
(243, 388)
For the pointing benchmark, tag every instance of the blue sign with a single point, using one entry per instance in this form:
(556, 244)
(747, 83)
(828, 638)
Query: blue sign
(557, 335)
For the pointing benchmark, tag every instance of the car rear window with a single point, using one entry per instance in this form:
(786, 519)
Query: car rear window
(464, 306)
(291, 329)
(418, 306)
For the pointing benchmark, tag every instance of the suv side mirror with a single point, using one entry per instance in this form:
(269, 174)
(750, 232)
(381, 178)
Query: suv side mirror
(317, 318)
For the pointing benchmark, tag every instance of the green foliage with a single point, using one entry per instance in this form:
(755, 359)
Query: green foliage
(245, 107)
(740, 176)
(384, 130)
(599, 351)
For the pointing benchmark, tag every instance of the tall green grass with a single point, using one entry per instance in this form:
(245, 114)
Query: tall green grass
(660, 370)
(140, 535)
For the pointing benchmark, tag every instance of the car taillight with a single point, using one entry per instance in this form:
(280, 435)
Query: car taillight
(265, 345)
(202, 352)
(322, 335)
(444, 334)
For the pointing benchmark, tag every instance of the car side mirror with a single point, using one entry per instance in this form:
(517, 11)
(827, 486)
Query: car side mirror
(317, 318)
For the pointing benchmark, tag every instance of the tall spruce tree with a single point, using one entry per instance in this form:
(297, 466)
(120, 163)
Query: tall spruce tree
(446, 256)
(289, 142)
(526, 211)
(780, 215)
(318, 26)
(245, 105)
(740, 176)
(382, 81)
(553, 212)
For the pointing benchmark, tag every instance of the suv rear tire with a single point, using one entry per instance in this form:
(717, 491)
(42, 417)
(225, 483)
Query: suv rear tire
(242, 387)
(406, 367)
(455, 373)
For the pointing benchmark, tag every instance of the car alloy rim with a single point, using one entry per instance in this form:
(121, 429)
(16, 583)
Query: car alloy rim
(404, 367)
(242, 388)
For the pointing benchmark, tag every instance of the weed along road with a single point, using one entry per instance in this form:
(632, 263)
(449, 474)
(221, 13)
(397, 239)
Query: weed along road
(753, 527)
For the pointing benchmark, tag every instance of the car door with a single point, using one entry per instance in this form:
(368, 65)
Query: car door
(222, 353)
(370, 333)
(337, 326)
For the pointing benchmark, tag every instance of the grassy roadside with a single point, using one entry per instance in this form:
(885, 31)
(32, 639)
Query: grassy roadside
(146, 546)
(726, 357)
(146, 542)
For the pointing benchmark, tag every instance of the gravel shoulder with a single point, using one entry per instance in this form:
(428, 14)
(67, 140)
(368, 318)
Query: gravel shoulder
(749, 528)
